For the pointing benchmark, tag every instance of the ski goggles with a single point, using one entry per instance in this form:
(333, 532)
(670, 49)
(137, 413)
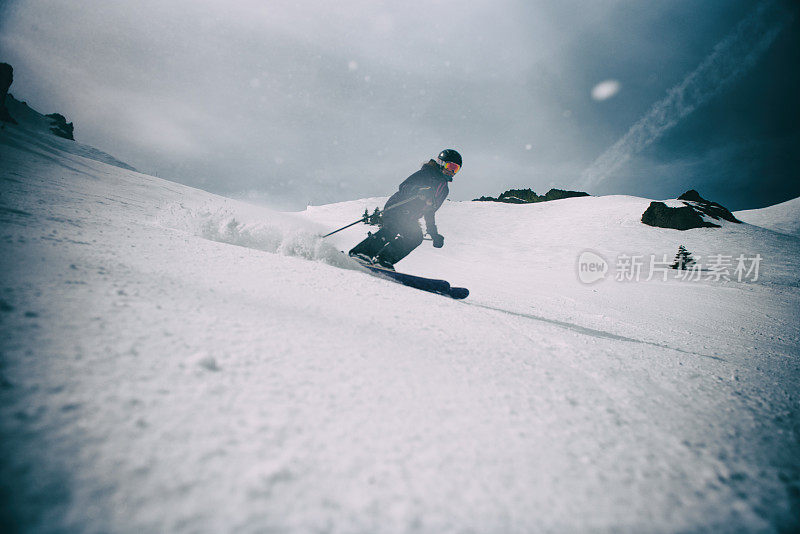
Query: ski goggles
(451, 167)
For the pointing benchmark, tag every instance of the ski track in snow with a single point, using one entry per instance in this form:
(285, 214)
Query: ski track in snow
(592, 332)
(153, 377)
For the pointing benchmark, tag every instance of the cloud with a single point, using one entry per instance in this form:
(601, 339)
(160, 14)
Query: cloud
(605, 90)
(730, 59)
(318, 101)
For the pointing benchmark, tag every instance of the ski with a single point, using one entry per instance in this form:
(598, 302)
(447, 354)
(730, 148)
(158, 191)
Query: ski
(431, 285)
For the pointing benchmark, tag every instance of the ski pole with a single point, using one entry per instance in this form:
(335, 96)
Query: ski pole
(363, 219)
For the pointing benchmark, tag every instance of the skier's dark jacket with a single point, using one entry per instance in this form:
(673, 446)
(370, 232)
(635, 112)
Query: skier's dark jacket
(430, 184)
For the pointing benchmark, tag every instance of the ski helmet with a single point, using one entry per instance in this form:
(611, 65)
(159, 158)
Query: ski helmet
(450, 162)
(448, 154)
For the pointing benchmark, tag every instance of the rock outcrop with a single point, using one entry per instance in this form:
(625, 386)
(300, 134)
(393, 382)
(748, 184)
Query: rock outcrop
(60, 126)
(6, 78)
(19, 112)
(528, 196)
(695, 213)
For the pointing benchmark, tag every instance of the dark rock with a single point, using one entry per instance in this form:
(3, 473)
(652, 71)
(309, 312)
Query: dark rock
(60, 126)
(558, 194)
(30, 118)
(6, 78)
(692, 195)
(518, 196)
(528, 196)
(690, 215)
(684, 218)
(712, 209)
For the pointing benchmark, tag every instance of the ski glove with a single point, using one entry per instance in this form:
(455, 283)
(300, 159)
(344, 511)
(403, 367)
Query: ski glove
(438, 240)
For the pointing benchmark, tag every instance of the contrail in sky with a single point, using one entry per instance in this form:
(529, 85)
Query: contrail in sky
(731, 58)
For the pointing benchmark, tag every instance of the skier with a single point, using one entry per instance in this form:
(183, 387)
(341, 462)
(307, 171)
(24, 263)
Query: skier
(420, 195)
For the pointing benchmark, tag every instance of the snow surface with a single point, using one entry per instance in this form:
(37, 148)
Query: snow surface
(174, 361)
(783, 217)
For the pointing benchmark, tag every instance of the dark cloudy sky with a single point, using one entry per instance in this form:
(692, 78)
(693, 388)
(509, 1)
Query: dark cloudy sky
(293, 102)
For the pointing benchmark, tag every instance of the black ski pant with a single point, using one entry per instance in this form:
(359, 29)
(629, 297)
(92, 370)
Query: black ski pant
(393, 242)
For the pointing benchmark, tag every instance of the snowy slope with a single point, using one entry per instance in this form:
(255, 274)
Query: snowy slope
(33, 133)
(783, 217)
(524, 258)
(176, 361)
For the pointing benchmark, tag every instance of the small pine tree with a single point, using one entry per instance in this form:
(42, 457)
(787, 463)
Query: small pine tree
(376, 218)
(683, 259)
(366, 216)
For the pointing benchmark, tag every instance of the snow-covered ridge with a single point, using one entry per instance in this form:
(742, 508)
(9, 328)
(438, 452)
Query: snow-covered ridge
(783, 217)
(34, 131)
(548, 237)
(157, 378)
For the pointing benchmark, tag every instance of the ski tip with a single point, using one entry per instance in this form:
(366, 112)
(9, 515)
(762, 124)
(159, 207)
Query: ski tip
(459, 293)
